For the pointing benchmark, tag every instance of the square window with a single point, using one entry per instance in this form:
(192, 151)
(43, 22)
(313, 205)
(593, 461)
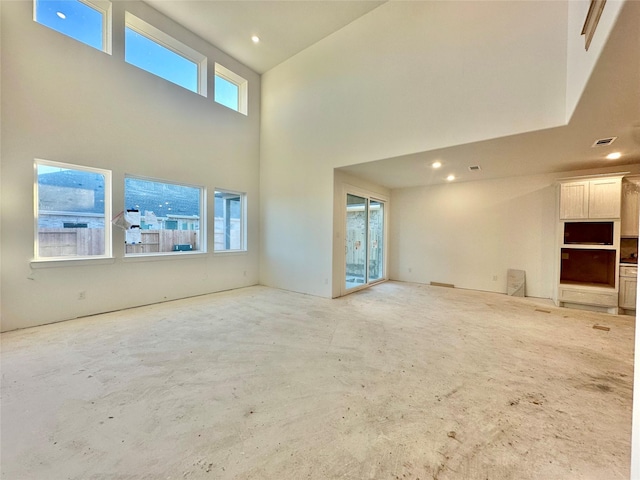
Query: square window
(86, 21)
(73, 209)
(229, 218)
(152, 50)
(162, 217)
(230, 89)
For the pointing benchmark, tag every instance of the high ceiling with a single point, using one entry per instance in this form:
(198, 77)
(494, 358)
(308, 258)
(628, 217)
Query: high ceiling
(284, 27)
(609, 106)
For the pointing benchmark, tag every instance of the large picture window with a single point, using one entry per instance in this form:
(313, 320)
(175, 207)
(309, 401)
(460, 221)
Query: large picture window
(163, 217)
(73, 211)
(87, 21)
(229, 227)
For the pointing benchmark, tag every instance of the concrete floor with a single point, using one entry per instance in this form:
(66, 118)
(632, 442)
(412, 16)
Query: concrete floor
(400, 381)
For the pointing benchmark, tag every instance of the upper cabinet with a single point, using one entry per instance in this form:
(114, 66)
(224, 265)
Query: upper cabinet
(590, 198)
(630, 207)
(574, 200)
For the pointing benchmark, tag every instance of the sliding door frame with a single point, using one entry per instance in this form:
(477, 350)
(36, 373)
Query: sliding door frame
(369, 196)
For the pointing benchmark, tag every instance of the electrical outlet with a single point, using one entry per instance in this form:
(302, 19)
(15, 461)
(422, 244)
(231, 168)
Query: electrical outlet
(410, 270)
(82, 295)
(495, 278)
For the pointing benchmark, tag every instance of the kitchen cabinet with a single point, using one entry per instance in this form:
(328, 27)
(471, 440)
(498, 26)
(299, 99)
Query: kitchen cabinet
(588, 248)
(628, 287)
(590, 198)
(630, 207)
(574, 200)
(588, 264)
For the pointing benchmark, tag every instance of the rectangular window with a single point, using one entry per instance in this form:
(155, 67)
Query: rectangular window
(162, 217)
(230, 226)
(88, 21)
(230, 89)
(73, 211)
(152, 50)
(226, 93)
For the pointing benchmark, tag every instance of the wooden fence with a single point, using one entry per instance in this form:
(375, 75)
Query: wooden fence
(154, 241)
(65, 242)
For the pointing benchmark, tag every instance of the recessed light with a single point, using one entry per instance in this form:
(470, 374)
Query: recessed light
(451, 178)
(61, 15)
(255, 39)
(436, 164)
(614, 156)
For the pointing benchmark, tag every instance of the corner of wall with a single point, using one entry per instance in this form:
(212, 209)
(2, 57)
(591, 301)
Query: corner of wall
(581, 62)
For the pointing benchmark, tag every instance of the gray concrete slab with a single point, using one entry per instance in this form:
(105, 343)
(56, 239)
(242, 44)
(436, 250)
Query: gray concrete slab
(400, 381)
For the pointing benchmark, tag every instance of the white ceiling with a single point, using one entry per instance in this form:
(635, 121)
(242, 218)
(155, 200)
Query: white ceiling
(284, 27)
(609, 106)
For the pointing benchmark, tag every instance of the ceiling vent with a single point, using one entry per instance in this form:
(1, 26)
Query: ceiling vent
(474, 168)
(603, 142)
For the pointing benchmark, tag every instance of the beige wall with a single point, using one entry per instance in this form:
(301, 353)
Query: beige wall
(407, 77)
(67, 102)
(581, 62)
(468, 233)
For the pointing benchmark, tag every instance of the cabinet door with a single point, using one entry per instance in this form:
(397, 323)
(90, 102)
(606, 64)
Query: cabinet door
(604, 198)
(630, 210)
(628, 291)
(574, 200)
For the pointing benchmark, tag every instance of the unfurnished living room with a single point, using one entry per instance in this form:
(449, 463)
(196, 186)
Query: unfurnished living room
(319, 239)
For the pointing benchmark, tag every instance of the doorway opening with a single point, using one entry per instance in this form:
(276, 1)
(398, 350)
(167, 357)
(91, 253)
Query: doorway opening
(364, 241)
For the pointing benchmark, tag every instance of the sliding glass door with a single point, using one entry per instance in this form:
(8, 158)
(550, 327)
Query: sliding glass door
(364, 253)
(376, 240)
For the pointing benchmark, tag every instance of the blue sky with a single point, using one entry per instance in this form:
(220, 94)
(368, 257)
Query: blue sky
(154, 58)
(72, 18)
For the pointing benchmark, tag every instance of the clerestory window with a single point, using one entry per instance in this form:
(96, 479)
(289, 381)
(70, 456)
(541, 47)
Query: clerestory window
(87, 21)
(152, 50)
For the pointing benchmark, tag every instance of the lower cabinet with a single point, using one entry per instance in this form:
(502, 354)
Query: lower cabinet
(628, 287)
(602, 299)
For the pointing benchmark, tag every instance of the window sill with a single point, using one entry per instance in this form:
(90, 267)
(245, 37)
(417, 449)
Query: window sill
(71, 262)
(230, 252)
(152, 257)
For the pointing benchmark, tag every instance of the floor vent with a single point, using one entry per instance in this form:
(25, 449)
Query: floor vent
(604, 142)
(474, 168)
(440, 284)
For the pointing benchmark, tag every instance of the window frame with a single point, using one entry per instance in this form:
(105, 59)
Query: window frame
(243, 221)
(102, 6)
(108, 243)
(238, 81)
(176, 46)
(202, 229)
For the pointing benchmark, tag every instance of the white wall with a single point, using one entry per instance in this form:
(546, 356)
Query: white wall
(467, 233)
(67, 102)
(581, 62)
(0, 162)
(407, 77)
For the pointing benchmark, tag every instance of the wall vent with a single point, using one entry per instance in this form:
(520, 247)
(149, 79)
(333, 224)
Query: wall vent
(474, 168)
(604, 142)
